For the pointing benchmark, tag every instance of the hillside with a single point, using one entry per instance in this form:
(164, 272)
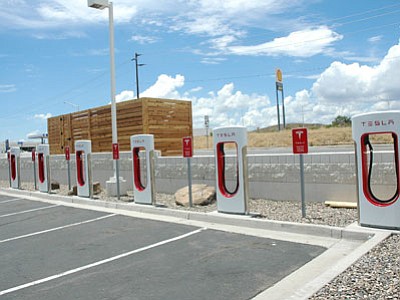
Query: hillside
(317, 136)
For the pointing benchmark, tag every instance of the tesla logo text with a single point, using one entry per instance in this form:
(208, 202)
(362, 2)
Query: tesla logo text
(141, 141)
(226, 134)
(377, 123)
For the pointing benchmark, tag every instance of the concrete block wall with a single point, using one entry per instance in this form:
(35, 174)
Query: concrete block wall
(328, 176)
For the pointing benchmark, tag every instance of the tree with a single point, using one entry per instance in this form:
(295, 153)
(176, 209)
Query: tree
(341, 121)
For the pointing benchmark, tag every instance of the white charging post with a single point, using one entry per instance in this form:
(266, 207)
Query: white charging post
(83, 151)
(232, 195)
(378, 208)
(15, 167)
(43, 153)
(142, 148)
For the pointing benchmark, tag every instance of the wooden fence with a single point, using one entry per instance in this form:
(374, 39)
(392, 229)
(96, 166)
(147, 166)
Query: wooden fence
(167, 120)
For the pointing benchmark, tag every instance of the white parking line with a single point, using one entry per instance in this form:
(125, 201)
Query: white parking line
(11, 200)
(101, 262)
(28, 211)
(56, 228)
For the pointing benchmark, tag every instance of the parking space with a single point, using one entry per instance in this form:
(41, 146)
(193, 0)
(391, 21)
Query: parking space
(56, 252)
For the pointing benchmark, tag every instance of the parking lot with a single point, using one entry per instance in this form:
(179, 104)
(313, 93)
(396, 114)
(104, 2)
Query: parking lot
(51, 251)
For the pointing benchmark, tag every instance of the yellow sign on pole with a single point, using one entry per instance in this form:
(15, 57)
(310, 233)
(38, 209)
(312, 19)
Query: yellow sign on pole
(278, 75)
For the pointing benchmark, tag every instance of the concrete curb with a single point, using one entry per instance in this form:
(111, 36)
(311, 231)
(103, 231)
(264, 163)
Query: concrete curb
(213, 217)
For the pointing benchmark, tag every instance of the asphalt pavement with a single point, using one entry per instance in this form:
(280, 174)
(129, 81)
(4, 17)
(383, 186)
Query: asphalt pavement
(53, 251)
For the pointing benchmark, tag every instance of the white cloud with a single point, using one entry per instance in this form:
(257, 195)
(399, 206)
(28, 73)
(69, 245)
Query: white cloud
(7, 88)
(165, 87)
(141, 39)
(212, 60)
(124, 96)
(42, 116)
(34, 134)
(57, 13)
(302, 43)
(342, 89)
(375, 39)
(360, 84)
(59, 36)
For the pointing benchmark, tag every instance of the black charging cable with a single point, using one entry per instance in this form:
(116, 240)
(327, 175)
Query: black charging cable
(371, 161)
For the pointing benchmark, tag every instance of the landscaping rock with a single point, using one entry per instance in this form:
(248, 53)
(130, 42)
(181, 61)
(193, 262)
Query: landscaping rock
(201, 195)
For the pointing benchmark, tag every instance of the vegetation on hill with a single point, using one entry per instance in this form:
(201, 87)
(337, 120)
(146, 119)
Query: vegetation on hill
(338, 133)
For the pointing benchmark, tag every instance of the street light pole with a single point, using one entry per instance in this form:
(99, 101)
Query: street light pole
(112, 66)
(101, 4)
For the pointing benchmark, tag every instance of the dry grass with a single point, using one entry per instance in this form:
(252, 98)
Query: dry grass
(322, 136)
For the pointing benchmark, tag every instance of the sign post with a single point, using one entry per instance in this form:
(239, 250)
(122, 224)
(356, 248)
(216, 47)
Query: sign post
(115, 149)
(300, 146)
(207, 125)
(279, 87)
(9, 166)
(67, 158)
(187, 150)
(34, 167)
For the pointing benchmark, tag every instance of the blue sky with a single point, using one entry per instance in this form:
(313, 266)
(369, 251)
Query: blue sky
(337, 58)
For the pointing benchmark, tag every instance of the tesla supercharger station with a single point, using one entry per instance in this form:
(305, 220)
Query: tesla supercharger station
(376, 209)
(15, 167)
(83, 151)
(43, 154)
(232, 193)
(142, 149)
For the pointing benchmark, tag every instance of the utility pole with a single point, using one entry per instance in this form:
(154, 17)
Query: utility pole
(137, 65)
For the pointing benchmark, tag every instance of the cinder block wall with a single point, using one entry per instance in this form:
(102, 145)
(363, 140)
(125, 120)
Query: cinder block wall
(328, 176)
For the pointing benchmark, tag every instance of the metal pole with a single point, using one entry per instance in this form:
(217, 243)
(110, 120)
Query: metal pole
(303, 201)
(277, 108)
(69, 175)
(89, 175)
(47, 158)
(117, 173)
(34, 174)
(9, 167)
(190, 182)
(137, 75)
(283, 109)
(113, 104)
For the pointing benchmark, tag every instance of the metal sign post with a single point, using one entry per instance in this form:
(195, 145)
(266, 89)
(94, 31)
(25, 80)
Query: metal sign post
(187, 149)
(9, 166)
(207, 125)
(34, 167)
(300, 146)
(116, 158)
(279, 87)
(68, 158)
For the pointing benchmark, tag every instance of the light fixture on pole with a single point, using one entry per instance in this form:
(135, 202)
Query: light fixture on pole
(137, 65)
(101, 4)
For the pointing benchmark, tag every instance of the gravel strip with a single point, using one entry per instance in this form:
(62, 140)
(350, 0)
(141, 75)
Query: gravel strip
(374, 276)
